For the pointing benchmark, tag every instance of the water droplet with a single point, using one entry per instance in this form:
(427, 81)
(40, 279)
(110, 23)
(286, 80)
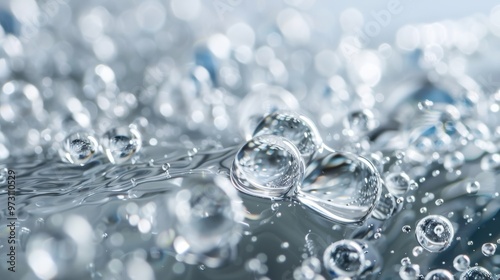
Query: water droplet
(298, 129)
(386, 206)
(340, 186)
(344, 258)
(439, 274)
(453, 161)
(285, 245)
(439, 201)
(165, 166)
(417, 251)
(79, 148)
(406, 229)
(409, 272)
(405, 261)
(423, 210)
(281, 259)
(267, 166)
(473, 187)
(121, 143)
(360, 122)
(207, 213)
(397, 183)
(476, 273)
(377, 235)
(434, 233)
(461, 262)
(488, 249)
(470, 242)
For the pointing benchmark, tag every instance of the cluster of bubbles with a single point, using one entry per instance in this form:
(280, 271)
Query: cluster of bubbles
(320, 126)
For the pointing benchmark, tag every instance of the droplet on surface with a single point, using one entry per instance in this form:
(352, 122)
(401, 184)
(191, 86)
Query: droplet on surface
(79, 148)
(267, 166)
(476, 273)
(461, 262)
(439, 274)
(434, 233)
(340, 186)
(417, 251)
(121, 143)
(298, 129)
(488, 249)
(397, 183)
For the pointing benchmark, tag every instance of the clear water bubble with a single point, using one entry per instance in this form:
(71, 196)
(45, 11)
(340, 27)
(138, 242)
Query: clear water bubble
(476, 273)
(434, 233)
(79, 148)
(461, 262)
(360, 122)
(65, 246)
(406, 228)
(417, 251)
(473, 187)
(409, 272)
(488, 249)
(405, 261)
(439, 202)
(344, 258)
(267, 166)
(299, 129)
(453, 161)
(340, 186)
(386, 205)
(439, 274)
(397, 183)
(207, 213)
(121, 143)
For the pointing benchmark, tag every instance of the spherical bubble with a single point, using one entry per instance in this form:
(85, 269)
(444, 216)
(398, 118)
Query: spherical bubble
(79, 148)
(409, 272)
(340, 186)
(472, 187)
(62, 249)
(386, 206)
(490, 162)
(121, 143)
(344, 258)
(476, 273)
(299, 129)
(267, 166)
(439, 274)
(461, 262)
(207, 213)
(397, 183)
(434, 233)
(488, 249)
(417, 251)
(360, 122)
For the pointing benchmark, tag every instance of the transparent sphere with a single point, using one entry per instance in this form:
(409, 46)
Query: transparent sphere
(490, 161)
(386, 206)
(299, 129)
(121, 143)
(409, 271)
(397, 183)
(434, 233)
(267, 166)
(453, 161)
(207, 214)
(461, 262)
(473, 187)
(79, 148)
(344, 258)
(488, 249)
(340, 186)
(62, 249)
(439, 274)
(360, 122)
(476, 273)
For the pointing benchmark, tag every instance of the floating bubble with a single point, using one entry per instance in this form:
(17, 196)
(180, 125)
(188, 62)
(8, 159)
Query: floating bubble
(340, 186)
(360, 122)
(488, 249)
(473, 187)
(406, 228)
(397, 183)
(299, 129)
(267, 166)
(490, 161)
(417, 251)
(434, 233)
(207, 214)
(351, 258)
(461, 262)
(476, 273)
(439, 274)
(386, 206)
(121, 143)
(409, 271)
(79, 148)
